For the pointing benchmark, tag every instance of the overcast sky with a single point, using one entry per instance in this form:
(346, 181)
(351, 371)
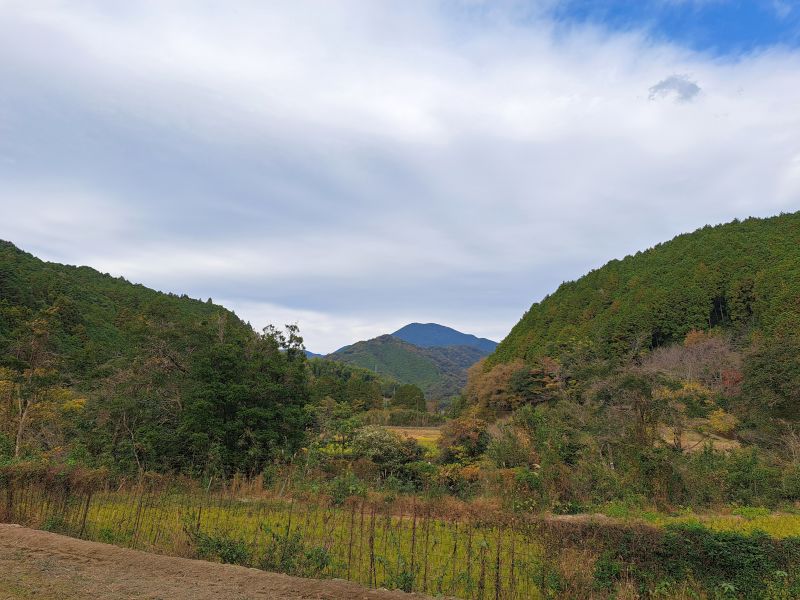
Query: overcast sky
(356, 165)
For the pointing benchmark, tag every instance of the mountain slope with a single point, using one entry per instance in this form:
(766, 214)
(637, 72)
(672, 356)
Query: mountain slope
(744, 275)
(96, 318)
(440, 372)
(427, 335)
(108, 373)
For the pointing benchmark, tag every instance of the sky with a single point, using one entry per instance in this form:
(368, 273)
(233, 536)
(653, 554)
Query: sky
(356, 165)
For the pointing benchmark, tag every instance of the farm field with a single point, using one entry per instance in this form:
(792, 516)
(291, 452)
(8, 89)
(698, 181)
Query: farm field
(406, 547)
(740, 520)
(466, 551)
(424, 436)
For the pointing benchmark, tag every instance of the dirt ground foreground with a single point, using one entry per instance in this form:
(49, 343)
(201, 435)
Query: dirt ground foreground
(46, 566)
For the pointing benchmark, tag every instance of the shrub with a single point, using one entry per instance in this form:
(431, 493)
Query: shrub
(389, 451)
(6, 447)
(413, 418)
(750, 480)
(345, 486)
(286, 553)
(226, 549)
(607, 571)
(459, 481)
(508, 450)
(751, 512)
(409, 396)
(402, 417)
(722, 422)
(463, 440)
(722, 564)
(747, 562)
(400, 577)
(790, 485)
(55, 524)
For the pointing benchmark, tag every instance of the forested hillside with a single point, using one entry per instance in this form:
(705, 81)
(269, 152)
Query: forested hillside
(741, 275)
(93, 319)
(96, 369)
(671, 375)
(439, 371)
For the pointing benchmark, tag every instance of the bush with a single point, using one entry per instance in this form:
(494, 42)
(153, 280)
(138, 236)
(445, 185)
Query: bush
(790, 485)
(55, 524)
(389, 451)
(458, 480)
(751, 512)
(718, 564)
(345, 486)
(402, 417)
(400, 577)
(226, 549)
(750, 480)
(413, 418)
(286, 553)
(509, 450)
(463, 440)
(420, 474)
(607, 571)
(6, 447)
(409, 396)
(747, 562)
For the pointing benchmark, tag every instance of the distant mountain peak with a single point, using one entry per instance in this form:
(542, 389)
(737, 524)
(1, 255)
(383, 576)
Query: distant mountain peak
(441, 371)
(433, 335)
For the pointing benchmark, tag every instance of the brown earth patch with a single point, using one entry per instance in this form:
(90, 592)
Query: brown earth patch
(46, 566)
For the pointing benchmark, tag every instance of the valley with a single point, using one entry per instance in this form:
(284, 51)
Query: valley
(654, 399)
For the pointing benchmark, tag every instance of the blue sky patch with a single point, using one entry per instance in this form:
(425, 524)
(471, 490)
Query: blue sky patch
(723, 27)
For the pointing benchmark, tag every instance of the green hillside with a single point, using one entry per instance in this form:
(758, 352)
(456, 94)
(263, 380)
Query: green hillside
(392, 357)
(671, 377)
(348, 383)
(95, 369)
(440, 372)
(96, 320)
(744, 274)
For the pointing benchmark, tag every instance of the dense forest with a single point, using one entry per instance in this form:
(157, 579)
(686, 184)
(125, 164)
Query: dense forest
(742, 276)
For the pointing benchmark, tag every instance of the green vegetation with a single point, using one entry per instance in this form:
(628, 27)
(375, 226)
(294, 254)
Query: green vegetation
(94, 369)
(428, 545)
(744, 274)
(662, 391)
(439, 371)
(668, 378)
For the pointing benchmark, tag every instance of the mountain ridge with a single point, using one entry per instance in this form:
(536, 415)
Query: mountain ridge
(430, 335)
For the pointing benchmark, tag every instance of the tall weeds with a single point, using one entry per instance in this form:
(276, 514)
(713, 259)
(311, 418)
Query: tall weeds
(425, 546)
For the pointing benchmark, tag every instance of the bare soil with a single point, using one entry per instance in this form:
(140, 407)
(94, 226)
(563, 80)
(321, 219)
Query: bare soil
(46, 566)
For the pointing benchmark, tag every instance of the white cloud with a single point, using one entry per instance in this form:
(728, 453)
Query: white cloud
(356, 164)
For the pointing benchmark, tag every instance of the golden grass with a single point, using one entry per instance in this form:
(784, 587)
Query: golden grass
(421, 434)
(776, 524)
(361, 542)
